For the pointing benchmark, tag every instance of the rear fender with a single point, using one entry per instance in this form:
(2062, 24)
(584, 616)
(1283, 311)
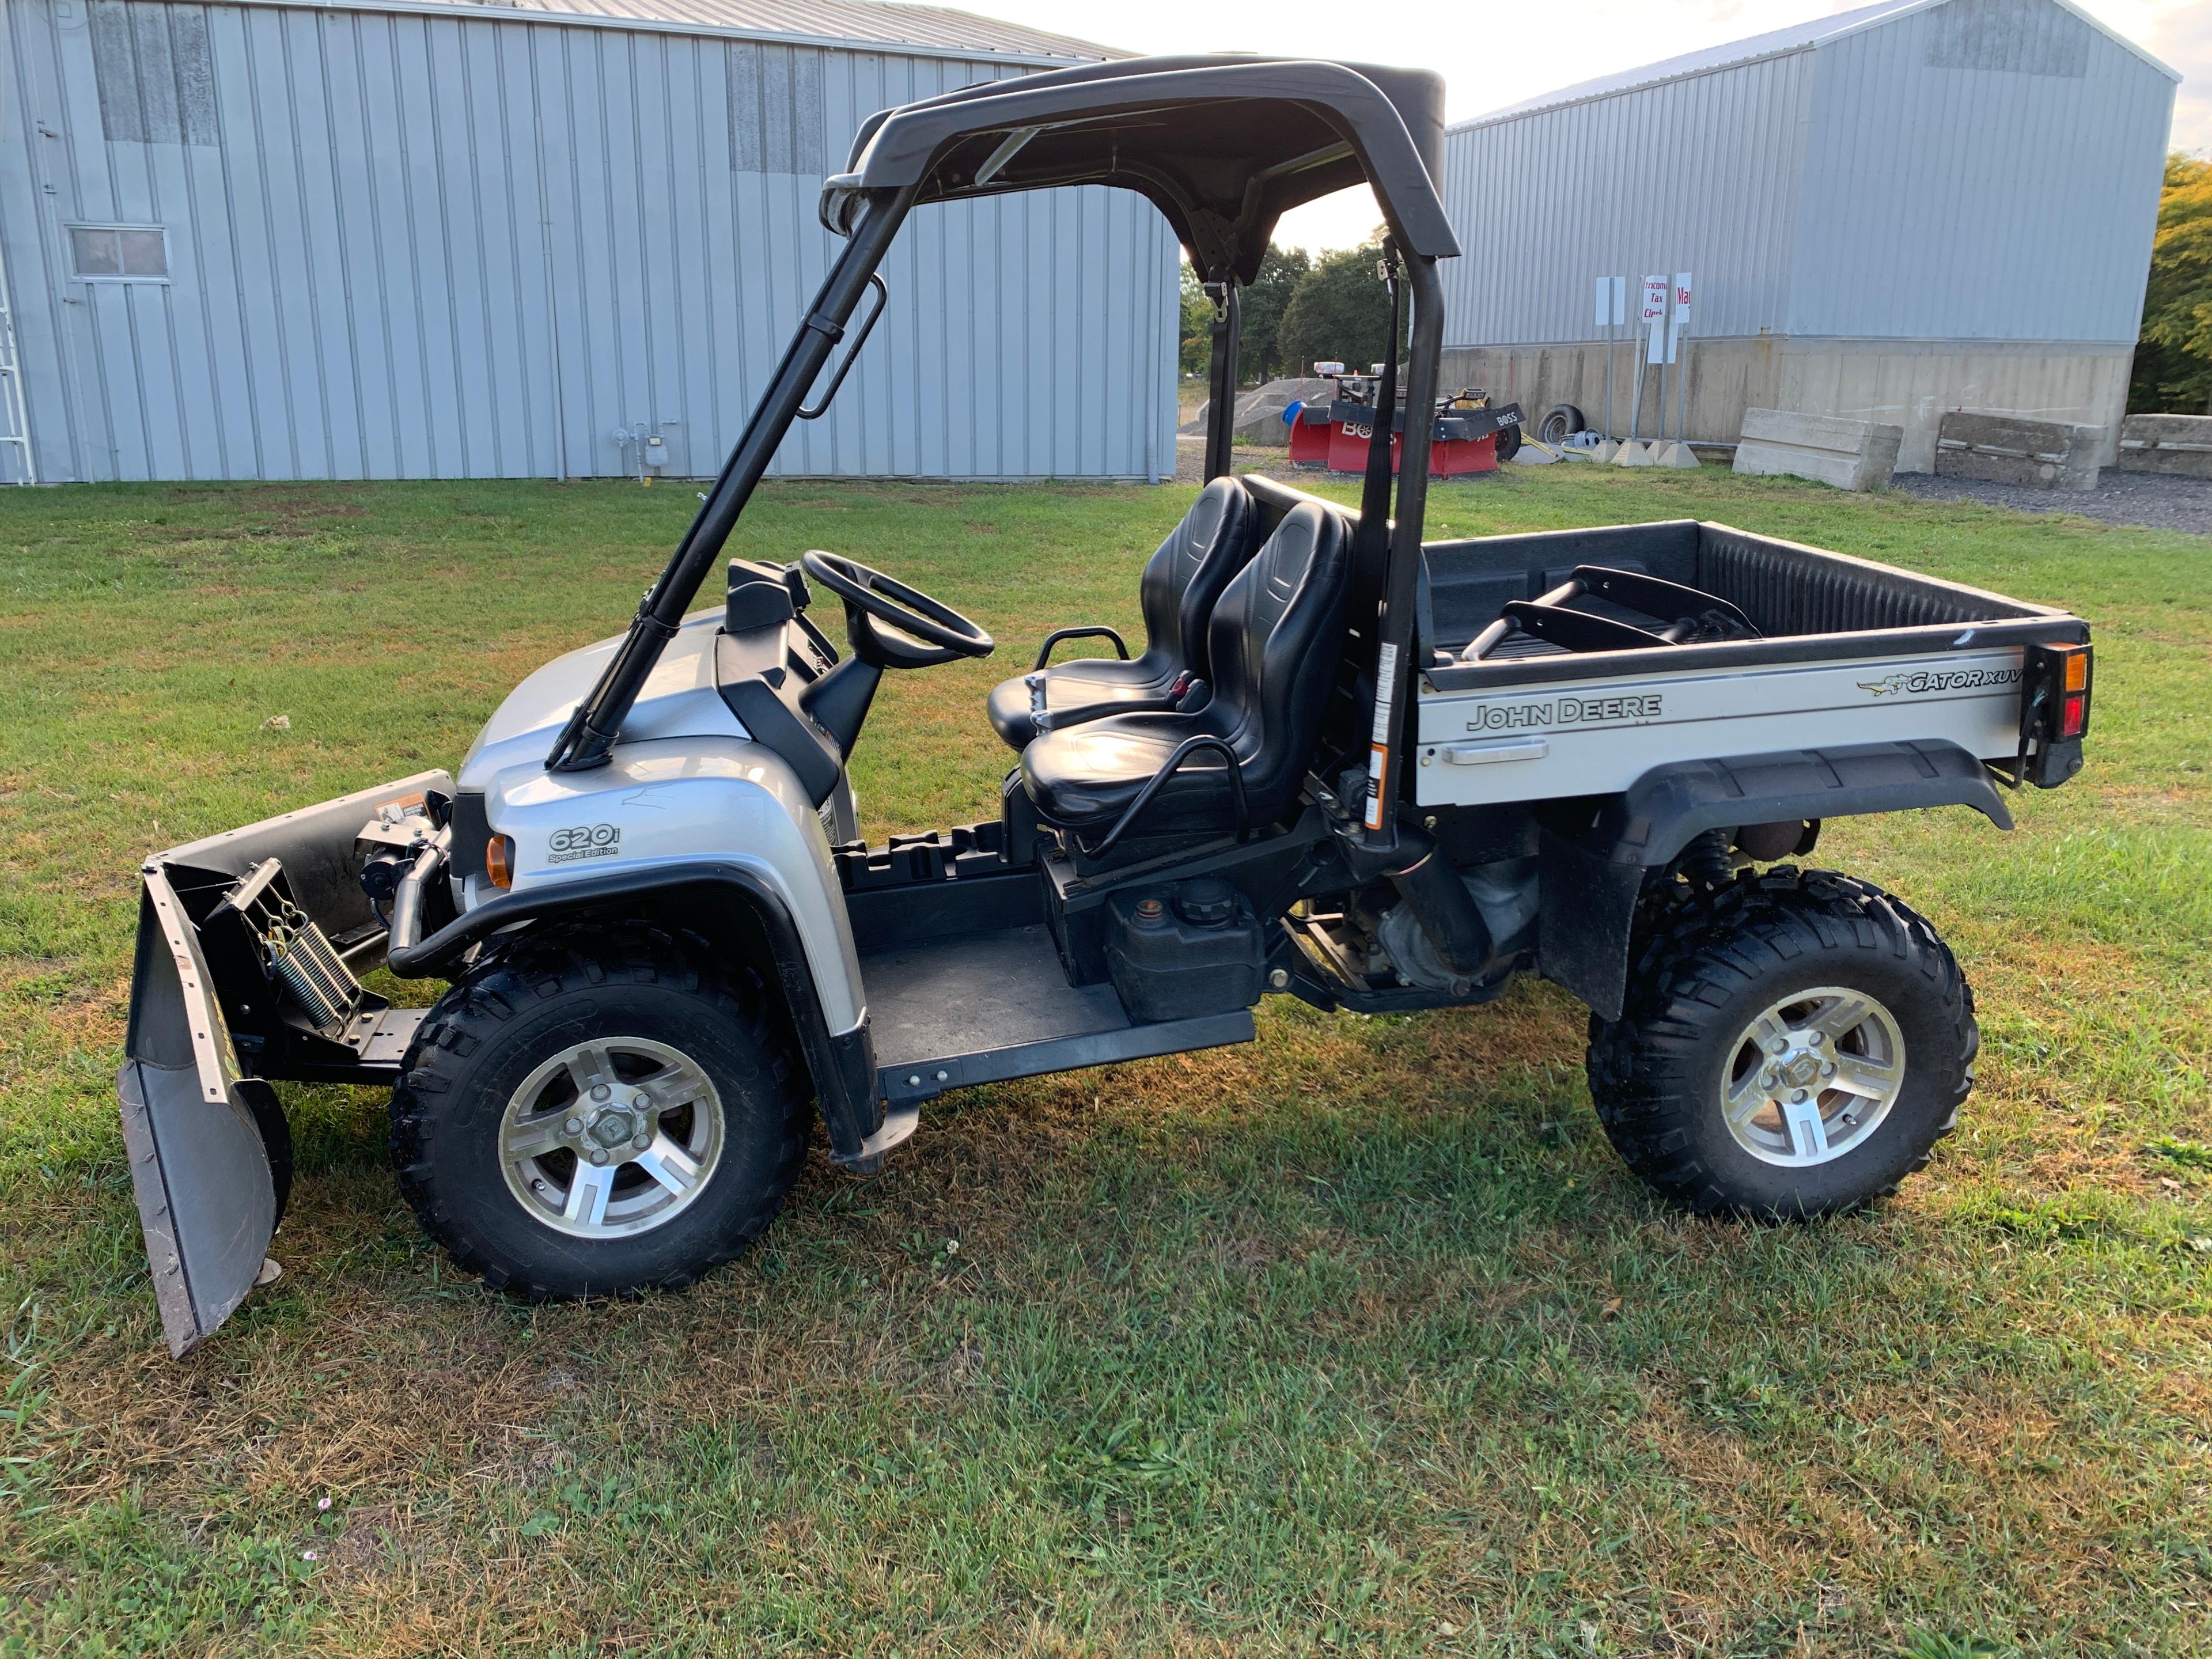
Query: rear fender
(1591, 874)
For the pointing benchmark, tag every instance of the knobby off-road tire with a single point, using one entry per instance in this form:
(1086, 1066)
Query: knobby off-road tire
(1706, 964)
(646, 1008)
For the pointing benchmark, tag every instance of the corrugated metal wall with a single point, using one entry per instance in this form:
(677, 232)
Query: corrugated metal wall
(1698, 174)
(411, 245)
(1984, 169)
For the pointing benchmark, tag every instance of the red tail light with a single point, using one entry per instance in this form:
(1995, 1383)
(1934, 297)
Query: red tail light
(2054, 712)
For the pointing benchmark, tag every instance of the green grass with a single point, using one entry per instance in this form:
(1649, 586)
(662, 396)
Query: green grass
(1358, 1339)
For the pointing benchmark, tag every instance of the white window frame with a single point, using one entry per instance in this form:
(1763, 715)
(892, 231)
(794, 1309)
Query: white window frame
(74, 225)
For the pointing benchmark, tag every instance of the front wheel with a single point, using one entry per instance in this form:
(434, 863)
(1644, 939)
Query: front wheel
(1793, 1043)
(598, 1112)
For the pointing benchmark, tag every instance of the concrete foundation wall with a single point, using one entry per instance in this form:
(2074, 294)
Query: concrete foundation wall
(1911, 384)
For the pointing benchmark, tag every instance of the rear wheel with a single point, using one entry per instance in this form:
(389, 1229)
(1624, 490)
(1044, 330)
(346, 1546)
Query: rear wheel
(1793, 1043)
(1509, 443)
(1560, 423)
(599, 1112)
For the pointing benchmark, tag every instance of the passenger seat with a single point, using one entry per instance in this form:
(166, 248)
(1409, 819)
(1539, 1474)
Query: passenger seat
(1182, 583)
(1276, 637)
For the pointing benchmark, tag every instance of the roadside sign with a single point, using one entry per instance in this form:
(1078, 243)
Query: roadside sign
(1681, 323)
(1654, 319)
(1611, 295)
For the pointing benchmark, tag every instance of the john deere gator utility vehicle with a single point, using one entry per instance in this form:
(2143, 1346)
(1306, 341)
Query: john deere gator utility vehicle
(1346, 766)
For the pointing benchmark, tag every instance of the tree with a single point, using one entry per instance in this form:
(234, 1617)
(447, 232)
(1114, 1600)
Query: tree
(1260, 310)
(1338, 311)
(2173, 359)
(1197, 324)
(1261, 316)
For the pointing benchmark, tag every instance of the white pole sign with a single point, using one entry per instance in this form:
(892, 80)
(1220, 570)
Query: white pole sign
(1654, 319)
(1681, 323)
(1604, 301)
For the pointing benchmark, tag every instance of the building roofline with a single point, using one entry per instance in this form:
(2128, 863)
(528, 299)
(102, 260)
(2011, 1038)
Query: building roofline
(492, 11)
(1715, 60)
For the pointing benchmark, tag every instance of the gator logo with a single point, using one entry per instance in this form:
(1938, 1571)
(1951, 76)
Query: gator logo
(1915, 681)
(595, 841)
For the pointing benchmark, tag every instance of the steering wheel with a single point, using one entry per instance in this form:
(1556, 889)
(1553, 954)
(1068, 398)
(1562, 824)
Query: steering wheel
(891, 624)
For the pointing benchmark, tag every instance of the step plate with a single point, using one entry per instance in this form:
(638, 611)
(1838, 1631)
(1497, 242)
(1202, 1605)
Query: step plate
(984, 1008)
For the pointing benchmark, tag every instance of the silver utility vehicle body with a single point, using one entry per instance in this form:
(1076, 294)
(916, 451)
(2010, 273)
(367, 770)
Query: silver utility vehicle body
(1346, 766)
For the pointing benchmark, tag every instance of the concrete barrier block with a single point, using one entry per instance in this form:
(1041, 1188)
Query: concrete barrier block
(2179, 445)
(2006, 449)
(1824, 448)
(1260, 412)
(1631, 453)
(1676, 455)
(1261, 428)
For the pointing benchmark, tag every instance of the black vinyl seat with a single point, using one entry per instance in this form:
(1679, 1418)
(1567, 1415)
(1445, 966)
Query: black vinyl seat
(1274, 641)
(1182, 583)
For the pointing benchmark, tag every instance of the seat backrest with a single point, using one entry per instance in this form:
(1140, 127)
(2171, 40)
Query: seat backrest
(1183, 582)
(1276, 637)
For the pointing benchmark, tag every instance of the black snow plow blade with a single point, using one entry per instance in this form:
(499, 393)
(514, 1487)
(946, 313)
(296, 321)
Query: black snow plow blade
(250, 944)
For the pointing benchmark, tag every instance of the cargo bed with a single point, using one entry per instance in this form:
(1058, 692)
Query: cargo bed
(1844, 653)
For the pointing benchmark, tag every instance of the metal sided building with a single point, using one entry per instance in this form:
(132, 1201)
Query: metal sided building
(413, 239)
(1889, 213)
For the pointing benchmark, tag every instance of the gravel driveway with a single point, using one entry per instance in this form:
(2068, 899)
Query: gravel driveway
(2150, 499)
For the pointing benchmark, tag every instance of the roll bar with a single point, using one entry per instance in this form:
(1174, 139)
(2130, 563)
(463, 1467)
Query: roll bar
(1289, 129)
(586, 741)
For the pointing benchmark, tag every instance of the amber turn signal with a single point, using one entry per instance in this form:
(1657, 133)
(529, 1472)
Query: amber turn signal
(499, 861)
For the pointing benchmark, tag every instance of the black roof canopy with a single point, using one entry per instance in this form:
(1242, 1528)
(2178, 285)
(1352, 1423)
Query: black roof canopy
(1222, 145)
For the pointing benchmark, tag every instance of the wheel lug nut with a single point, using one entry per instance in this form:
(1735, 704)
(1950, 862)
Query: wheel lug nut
(642, 1142)
(598, 1157)
(1814, 1039)
(574, 1126)
(1797, 1095)
(1828, 1070)
(1780, 1046)
(600, 1091)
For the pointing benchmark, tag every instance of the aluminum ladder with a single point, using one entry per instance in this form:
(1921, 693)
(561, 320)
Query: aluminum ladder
(15, 426)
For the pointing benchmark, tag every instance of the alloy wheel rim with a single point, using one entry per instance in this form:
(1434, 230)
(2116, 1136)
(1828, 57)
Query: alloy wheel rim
(611, 1138)
(1813, 1076)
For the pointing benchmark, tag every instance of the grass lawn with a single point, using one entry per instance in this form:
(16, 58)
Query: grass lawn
(1358, 1339)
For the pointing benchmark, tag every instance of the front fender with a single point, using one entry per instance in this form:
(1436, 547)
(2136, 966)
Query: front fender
(660, 808)
(684, 828)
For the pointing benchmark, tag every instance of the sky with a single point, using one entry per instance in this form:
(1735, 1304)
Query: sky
(1495, 54)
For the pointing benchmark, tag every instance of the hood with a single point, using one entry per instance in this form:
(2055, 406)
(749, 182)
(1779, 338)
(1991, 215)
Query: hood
(679, 700)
